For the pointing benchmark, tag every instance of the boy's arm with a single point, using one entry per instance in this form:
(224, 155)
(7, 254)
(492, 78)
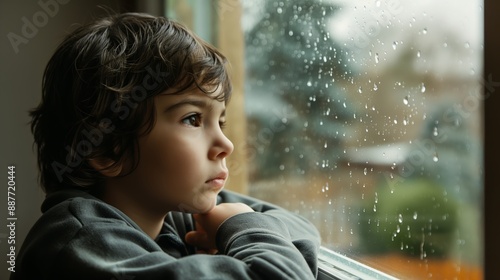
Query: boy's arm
(103, 245)
(254, 246)
(303, 234)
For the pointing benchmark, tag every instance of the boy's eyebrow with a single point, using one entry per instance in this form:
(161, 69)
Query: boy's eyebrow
(195, 102)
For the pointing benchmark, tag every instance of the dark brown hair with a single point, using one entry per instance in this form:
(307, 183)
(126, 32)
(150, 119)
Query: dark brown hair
(98, 88)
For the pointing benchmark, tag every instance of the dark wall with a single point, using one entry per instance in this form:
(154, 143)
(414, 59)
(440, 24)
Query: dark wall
(492, 139)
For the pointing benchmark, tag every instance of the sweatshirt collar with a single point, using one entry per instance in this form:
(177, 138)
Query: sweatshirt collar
(57, 197)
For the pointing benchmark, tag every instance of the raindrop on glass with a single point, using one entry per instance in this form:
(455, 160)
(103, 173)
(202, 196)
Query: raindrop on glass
(435, 158)
(435, 132)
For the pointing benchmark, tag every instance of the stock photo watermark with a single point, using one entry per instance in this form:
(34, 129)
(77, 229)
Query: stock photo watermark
(382, 15)
(30, 26)
(93, 138)
(426, 148)
(226, 6)
(11, 222)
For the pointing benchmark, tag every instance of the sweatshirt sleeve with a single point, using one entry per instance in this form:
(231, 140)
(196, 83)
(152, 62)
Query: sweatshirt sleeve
(98, 243)
(302, 233)
(254, 246)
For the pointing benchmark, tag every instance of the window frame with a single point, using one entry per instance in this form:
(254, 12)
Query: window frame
(491, 103)
(332, 265)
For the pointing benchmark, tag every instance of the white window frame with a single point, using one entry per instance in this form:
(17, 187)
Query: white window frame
(332, 265)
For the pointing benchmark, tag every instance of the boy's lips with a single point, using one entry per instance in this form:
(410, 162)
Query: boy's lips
(218, 180)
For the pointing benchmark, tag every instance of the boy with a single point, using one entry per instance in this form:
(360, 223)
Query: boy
(132, 158)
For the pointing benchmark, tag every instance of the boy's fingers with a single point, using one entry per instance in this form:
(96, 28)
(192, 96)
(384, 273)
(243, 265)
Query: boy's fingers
(208, 252)
(197, 224)
(191, 237)
(198, 239)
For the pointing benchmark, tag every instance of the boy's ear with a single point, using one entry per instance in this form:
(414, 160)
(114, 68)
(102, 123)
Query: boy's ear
(103, 166)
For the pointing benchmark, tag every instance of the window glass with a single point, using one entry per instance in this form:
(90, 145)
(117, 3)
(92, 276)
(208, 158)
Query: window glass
(365, 117)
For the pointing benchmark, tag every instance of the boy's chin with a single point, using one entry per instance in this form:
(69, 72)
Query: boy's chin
(200, 206)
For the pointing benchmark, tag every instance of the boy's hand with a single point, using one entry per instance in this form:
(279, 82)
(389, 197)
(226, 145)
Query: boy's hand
(208, 223)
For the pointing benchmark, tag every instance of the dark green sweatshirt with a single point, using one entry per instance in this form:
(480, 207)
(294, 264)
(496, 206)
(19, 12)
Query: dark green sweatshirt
(81, 237)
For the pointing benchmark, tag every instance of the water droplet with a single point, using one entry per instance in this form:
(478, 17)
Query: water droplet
(422, 89)
(360, 90)
(282, 167)
(279, 10)
(435, 132)
(376, 58)
(309, 83)
(405, 100)
(415, 215)
(424, 31)
(290, 33)
(375, 87)
(406, 121)
(377, 3)
(435, 158)
(467, 45)
(394, 45)
(418, 54)
(365, 171)
(326, 145)
(400, 218)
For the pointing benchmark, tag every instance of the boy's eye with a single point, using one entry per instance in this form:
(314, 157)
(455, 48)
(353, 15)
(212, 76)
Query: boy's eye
(192, 120)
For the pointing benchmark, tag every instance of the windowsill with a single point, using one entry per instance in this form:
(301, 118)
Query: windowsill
(333, 265)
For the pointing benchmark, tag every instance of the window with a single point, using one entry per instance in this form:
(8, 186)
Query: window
(364, 117)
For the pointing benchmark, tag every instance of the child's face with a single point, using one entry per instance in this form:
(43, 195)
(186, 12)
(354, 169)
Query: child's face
(182, 160)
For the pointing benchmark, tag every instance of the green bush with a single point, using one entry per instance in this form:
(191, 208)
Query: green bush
(416, 218)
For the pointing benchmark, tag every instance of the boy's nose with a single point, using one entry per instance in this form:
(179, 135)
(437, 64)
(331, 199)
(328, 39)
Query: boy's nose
(222, 147)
